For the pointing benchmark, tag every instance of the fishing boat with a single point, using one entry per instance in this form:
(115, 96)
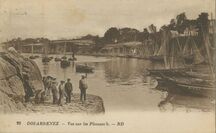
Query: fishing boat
(191, 53)
(64, 62)
(84, 68)
(45, 58)
(156, 58)
(72, 59)
(57, 59)
(32, 57)
(158, 55)
(64, 57)
(32, 53)
(188, 78)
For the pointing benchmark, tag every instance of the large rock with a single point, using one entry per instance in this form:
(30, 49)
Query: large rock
(13, 67)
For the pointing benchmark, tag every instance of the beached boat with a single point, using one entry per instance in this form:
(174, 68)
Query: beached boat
(84, 68)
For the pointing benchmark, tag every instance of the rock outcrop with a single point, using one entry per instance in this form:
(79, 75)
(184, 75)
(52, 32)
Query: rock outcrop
(13, 69)
(93, 105)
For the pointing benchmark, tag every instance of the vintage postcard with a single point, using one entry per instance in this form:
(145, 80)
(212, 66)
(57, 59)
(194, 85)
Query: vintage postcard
(107, 66)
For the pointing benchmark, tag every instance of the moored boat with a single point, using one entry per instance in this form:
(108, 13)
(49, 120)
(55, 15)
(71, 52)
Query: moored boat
(65, 63)
(84, 68)
(46, 59)
(57, 59)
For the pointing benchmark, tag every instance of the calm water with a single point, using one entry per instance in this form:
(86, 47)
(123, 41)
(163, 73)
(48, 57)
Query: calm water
(123, 84)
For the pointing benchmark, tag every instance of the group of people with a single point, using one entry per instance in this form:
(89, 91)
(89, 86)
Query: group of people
(63, 90)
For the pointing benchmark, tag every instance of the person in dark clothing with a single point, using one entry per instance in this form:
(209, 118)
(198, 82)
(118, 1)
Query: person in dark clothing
(68, 91)
(28, 89)
(54, 92)
(61, 93)
(83, 86)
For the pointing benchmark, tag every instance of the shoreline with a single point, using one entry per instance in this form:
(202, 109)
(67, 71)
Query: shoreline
(99, 55)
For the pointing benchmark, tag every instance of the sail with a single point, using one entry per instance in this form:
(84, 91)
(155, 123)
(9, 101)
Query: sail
(191, 50)
(198, 58)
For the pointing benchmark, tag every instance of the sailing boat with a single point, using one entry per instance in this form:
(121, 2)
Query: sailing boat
(64, 62)
(158, 55)
(45, 58)
(32, 53)
(73, 58)
(191, 53)
(186, 78)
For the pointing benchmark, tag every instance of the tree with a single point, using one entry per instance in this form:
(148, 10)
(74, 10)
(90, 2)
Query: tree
(152, 28)
(111, 35)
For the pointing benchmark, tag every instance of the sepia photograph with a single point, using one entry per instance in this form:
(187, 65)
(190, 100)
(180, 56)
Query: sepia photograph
(143, 66)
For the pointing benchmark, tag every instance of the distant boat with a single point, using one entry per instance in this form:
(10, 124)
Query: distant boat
(64, 57)
(46, 59)
(72, 59)
(65, 63)
(33, 56)
(57, 59)
(156, 58)
(84, 68)
(32, 53)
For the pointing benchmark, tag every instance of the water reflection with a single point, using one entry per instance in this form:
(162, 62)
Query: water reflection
(126, 71)
(173, 101)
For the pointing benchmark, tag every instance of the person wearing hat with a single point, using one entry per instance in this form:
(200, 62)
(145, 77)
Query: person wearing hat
(54, 91)
(68, 90)
(83, 86)
(61, 92)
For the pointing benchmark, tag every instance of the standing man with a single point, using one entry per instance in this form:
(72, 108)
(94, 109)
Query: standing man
(61, 92)
(28, 88)
(68, 90)
(54, 92)
(83, 86)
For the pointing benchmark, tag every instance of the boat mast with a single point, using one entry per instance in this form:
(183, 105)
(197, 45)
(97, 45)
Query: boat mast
(206, 44)
(65, 48)
(32, 49)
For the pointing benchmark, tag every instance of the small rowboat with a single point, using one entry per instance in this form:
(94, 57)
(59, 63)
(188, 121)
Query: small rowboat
(84, 69)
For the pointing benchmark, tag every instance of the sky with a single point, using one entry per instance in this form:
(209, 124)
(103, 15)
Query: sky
(57, 19)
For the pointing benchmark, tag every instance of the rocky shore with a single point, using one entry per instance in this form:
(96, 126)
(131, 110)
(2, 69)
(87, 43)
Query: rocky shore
(13, 69)
(93, 105)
